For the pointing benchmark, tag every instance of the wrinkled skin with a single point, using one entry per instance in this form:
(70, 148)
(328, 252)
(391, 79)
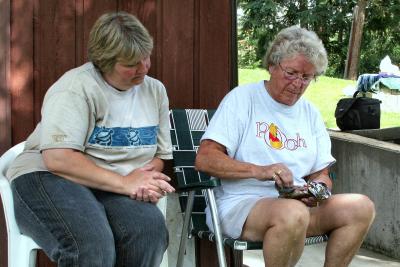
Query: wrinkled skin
(295, 192)
(310, 190)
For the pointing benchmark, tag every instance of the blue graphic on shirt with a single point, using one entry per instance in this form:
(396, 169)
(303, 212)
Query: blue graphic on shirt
(124, 136)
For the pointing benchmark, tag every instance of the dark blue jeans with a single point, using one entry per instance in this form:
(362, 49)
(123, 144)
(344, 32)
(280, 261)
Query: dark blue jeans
(79, 226)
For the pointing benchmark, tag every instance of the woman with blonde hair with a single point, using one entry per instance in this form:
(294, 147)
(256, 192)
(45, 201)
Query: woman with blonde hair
(86, 185)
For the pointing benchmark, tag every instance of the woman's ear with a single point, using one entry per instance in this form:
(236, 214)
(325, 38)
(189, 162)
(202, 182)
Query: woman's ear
(270, 68)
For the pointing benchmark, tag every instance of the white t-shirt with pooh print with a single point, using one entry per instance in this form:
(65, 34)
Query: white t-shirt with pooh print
(255, 128)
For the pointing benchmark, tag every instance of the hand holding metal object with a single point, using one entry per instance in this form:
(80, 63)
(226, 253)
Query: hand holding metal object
(295, 192)
(312, 189)
(319, 190)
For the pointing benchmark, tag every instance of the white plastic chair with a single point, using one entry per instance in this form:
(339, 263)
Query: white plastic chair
(22, 249)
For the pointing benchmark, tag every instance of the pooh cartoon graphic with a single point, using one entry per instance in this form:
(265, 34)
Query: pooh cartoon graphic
(273, 137)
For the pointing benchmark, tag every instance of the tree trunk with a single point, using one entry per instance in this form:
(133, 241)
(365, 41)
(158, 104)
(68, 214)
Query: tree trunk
(353, 53)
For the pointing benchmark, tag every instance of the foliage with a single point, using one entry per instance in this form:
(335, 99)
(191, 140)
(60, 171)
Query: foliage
(247, 52)
(331, 20)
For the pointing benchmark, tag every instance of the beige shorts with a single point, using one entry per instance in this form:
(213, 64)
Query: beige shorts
(233, 219)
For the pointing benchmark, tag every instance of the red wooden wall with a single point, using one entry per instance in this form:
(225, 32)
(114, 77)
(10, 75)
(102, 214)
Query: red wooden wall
(41, 39)
(194, 55)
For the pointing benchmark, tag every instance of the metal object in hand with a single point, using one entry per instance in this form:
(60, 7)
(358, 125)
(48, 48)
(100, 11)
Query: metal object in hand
(319, 190)
(313, 189)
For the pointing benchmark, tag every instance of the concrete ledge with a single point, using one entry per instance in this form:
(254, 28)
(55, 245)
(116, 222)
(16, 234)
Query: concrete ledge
(391, 134)
(371, 167)
(379, 138)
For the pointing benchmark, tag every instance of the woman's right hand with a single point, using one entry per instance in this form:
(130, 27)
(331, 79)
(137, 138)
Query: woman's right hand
(277, 172)
(147, 184)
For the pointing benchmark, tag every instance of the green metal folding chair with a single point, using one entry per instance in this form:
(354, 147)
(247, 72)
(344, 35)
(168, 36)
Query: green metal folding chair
(195, 188)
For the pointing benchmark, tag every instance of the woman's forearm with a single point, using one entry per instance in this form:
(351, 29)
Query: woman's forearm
(157, 163)
(212, 159)
(74, 166)
(321, 176)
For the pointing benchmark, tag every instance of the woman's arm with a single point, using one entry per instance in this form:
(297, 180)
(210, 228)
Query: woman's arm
(74, 166)
(321, 176)
(157, 163)
(212, 158)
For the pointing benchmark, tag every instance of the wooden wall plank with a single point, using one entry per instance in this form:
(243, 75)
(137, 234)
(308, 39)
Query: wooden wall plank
(158, 37)
(5, 109)
(92, 10)
(177, 38)
(80, 54)
(5, 98)
(214, 48)
(145, 11)
(54, 45)
(21, 70)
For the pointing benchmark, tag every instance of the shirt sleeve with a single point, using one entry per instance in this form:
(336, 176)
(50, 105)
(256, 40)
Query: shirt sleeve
(226, 126)
(164, 145)
(65, 121)
(324, 157)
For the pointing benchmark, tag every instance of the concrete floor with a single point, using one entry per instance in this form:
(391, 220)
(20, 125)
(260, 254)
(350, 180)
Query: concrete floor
(313, 256)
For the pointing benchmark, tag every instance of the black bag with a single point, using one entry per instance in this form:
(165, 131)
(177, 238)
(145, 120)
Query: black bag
(358, 113)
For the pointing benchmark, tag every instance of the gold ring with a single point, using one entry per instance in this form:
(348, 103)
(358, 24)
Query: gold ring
(279, 172)
(274, 177)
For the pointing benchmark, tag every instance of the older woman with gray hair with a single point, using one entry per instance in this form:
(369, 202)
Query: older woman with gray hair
(86, 185)
(272, 152)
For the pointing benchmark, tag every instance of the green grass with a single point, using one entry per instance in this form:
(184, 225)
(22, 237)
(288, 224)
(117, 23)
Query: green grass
(324, 94)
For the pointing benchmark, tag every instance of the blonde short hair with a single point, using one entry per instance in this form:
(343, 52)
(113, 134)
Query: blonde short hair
(118, 37)
(293, 41)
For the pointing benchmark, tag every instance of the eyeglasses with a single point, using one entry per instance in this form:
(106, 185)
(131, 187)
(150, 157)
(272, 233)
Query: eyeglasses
(292, 75)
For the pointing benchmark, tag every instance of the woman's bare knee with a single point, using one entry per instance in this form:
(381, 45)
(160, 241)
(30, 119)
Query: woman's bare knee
(345, 209)
(292, 215)
(363, 209)
(282, 215)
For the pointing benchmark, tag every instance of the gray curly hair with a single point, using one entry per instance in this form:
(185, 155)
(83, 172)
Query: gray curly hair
(293, 41)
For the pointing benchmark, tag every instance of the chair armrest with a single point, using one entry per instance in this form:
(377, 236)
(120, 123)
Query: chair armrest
(200, 185)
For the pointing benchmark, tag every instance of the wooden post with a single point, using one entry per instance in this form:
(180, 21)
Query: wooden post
(353, 52)
(206, 255)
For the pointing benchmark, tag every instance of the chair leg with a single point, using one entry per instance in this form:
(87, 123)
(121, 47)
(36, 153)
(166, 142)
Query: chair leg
(237, 257)
(32, 258)
(217, 229)
(185, 228)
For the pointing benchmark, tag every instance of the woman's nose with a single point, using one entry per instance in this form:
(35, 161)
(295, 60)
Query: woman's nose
(298, 81)
(144, 65)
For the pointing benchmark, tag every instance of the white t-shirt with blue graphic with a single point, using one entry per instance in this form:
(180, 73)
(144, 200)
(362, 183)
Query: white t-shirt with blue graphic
(255, 128)
(118, 130)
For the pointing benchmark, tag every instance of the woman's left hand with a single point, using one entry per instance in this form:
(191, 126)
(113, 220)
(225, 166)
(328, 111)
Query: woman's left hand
(147, 195)
(154, 189)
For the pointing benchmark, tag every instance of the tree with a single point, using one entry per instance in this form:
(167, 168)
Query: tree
(331, 20)
(353, 51)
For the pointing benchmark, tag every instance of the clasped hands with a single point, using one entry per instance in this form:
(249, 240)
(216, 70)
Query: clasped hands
(147, 184)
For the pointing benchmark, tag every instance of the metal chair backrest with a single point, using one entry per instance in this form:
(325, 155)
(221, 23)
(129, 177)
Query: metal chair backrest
(187, 128)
